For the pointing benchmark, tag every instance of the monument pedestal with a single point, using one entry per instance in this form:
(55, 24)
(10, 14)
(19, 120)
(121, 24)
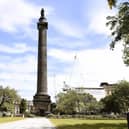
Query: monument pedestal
(42, 104)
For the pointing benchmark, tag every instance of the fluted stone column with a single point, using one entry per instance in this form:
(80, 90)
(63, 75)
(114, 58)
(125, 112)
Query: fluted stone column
(42, 99)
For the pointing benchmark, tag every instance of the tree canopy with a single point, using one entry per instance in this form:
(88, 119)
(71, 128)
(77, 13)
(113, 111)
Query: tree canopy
(72, 102)
(23, 106)
(118, 102)
(119, 26)
(8, 97)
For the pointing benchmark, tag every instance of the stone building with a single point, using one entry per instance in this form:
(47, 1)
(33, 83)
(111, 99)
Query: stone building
(109, 88)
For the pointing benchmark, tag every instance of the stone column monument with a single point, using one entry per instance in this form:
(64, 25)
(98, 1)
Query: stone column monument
(42, 99)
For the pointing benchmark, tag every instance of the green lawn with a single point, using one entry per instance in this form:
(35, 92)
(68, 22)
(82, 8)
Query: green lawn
(89, 124)
(9, 119)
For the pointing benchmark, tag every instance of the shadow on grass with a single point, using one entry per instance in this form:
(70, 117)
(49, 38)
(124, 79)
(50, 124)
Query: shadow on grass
(94, 126)
(41, 128)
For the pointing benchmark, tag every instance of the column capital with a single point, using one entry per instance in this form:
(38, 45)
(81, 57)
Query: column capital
(42, 23)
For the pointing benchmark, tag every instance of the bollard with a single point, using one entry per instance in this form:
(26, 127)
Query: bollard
(128, 119)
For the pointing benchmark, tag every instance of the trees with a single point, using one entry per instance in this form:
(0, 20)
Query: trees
(110, 104)
(119, 26)
(23, 106)
(66, 102)
(7, 98)
(86, 103)
(122, 95)
(72, 102)
(118, 102)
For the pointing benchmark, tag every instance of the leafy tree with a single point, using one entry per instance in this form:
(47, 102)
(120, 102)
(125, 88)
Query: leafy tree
(7, 98)
(119, 26)
(118, 102)
(86, 103)
(53, 108)
(110, 104)
(122, 95)
(23, 106)
(66, 102)
(73, 102)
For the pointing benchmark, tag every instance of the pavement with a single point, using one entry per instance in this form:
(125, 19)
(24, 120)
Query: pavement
(29, 123)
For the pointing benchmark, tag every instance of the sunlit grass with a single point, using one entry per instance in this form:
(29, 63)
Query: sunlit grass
(9, 119)
(89, 124)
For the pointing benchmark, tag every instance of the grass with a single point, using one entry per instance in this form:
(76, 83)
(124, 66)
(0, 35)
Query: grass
(9, 119)
(89, 124)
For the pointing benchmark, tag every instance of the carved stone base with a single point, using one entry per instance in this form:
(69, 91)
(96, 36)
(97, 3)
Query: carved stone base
(42, 104)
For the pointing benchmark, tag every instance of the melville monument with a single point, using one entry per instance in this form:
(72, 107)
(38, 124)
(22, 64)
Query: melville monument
(42, 99)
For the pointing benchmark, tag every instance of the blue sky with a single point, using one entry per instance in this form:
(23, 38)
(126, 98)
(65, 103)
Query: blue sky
(76, 28)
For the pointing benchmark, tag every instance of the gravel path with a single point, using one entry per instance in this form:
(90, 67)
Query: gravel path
(29, 123)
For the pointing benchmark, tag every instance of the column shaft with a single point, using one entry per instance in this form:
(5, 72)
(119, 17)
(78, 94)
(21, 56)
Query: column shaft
(42, 62)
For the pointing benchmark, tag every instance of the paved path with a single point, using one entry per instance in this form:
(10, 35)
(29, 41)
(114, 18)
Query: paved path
(29, 123)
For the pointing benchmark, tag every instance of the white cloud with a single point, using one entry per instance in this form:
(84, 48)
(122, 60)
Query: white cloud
(96, 17)
(66, 28)
(98, 24)
(91, 67)
(18, 14)
(98, 65)
(16, 48)
(20, 73)
(23, 65)
(61, 55)
(67, 44)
